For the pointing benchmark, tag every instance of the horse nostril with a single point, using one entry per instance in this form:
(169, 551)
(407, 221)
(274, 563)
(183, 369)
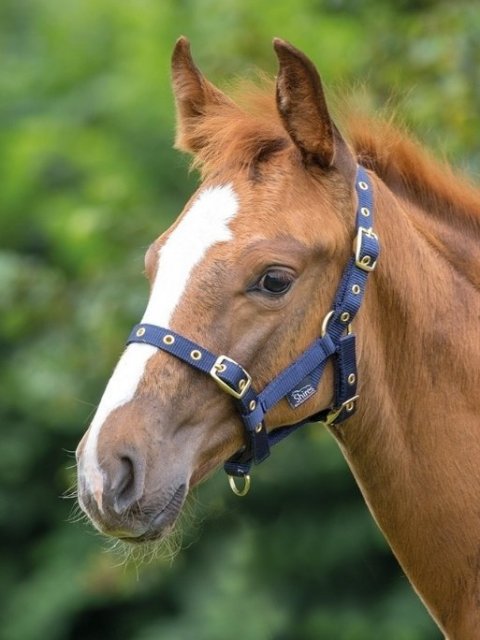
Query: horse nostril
(126, 483)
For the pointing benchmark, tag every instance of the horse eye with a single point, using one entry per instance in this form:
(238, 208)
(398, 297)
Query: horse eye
(275, 282)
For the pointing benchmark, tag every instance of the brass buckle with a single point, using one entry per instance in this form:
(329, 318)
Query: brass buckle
(366, 262)
(333, 414)
(244, 384)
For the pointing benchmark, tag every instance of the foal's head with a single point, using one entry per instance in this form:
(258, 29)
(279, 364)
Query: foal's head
(249, 269)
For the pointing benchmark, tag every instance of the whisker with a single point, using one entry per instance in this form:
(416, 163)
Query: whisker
(77, 515)
(72, 495)
(71, 466)
(70, 492)
(85, 402)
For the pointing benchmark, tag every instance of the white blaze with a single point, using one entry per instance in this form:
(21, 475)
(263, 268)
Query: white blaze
(203, 225)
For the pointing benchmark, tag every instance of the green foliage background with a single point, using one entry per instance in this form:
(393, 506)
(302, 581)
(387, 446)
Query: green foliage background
(88, 179)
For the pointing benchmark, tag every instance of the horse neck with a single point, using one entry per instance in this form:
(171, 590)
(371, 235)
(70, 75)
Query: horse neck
(414, 445)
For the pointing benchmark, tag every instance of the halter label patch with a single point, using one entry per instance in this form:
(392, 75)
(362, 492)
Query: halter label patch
(298, 396)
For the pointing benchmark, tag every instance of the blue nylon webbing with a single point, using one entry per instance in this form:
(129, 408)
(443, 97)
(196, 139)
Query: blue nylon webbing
(310, 365)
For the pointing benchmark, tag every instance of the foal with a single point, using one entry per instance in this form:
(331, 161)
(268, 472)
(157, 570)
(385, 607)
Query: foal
(250, 270)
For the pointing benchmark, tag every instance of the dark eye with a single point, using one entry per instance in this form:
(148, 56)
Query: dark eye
(275, 282)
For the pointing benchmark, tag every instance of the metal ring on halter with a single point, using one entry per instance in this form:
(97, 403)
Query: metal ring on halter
(233, 485)
(326, 321)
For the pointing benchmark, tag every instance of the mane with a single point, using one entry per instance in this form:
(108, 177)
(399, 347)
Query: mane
(411, 171)
(249, 133)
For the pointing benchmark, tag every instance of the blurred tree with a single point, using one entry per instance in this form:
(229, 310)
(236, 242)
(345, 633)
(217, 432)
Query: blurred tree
(89, 178)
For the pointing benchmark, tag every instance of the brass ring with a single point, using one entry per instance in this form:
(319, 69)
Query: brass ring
(233, 486)
(325, 322)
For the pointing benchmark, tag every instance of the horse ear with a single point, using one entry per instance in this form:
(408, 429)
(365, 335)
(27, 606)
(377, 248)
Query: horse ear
(302, 106)
(193, 95)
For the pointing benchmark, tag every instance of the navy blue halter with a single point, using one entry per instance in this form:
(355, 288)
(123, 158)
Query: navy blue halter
(299, 381)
